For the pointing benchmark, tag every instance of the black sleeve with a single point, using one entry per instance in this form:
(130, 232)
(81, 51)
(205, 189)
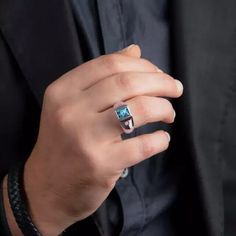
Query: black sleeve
(19, 112)
(19, 120)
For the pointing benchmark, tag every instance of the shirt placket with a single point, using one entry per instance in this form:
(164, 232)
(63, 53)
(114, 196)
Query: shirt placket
(112, 28)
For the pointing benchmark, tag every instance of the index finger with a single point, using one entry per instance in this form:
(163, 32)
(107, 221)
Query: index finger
(89, 73)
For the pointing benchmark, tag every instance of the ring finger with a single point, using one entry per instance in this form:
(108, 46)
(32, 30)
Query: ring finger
(144, 109)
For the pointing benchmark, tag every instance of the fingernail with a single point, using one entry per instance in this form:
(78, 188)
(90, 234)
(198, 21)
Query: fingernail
(174, 115)
(179, 85)
(168, 136)
(159, 70)
(127, 48)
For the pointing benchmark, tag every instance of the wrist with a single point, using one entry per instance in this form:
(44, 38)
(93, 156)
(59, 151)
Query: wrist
(44, 206)
(14, 229)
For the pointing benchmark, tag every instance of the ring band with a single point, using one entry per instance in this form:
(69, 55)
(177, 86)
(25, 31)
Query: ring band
(124, 116)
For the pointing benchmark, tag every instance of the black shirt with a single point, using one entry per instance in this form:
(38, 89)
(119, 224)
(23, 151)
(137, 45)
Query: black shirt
(141, 203)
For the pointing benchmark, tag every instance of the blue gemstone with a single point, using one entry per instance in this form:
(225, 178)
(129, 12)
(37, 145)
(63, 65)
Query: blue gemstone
(122, 112)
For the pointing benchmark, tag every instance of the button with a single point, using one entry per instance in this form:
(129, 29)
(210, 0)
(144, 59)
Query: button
(125, 173)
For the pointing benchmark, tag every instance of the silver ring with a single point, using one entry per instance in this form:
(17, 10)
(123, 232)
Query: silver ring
(124, 116)
(124, 173)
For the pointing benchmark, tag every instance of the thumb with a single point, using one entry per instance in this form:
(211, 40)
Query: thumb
(132, 50)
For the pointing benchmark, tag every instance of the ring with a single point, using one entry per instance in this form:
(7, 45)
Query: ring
(124, 116)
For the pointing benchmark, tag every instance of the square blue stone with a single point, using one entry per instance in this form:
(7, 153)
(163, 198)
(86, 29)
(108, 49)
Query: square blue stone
(122, 112)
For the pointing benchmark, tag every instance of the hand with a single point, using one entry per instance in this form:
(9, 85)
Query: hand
(79, 154)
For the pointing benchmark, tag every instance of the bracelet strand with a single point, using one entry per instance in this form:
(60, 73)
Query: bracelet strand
(17, 200)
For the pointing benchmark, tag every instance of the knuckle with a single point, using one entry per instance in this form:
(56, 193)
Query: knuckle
(143, 108)
(147, 147)
(63, 116)
(125, 82)
(113, 62)
(50, 91)
(53, 92)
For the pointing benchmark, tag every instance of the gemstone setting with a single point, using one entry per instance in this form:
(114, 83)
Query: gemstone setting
(123, 113)
(124, 116)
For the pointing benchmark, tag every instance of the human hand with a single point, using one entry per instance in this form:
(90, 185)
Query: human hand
(79, 154)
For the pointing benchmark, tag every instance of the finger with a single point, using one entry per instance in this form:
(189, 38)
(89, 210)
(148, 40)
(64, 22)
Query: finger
(89, 73)
(131, 151)
(133, 51)
(124, 86)
(144, 110)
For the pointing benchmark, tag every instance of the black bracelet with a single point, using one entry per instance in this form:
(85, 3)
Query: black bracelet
(4, 228)
(17, 199)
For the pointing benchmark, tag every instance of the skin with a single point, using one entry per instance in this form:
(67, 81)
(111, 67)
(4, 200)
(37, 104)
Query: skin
(79, 154)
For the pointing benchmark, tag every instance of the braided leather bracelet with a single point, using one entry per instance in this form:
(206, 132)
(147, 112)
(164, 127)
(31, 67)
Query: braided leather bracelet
(17, 201)
(4, 228)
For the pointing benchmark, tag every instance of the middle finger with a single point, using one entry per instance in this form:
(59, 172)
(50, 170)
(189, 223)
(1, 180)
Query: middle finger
(124, 86)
